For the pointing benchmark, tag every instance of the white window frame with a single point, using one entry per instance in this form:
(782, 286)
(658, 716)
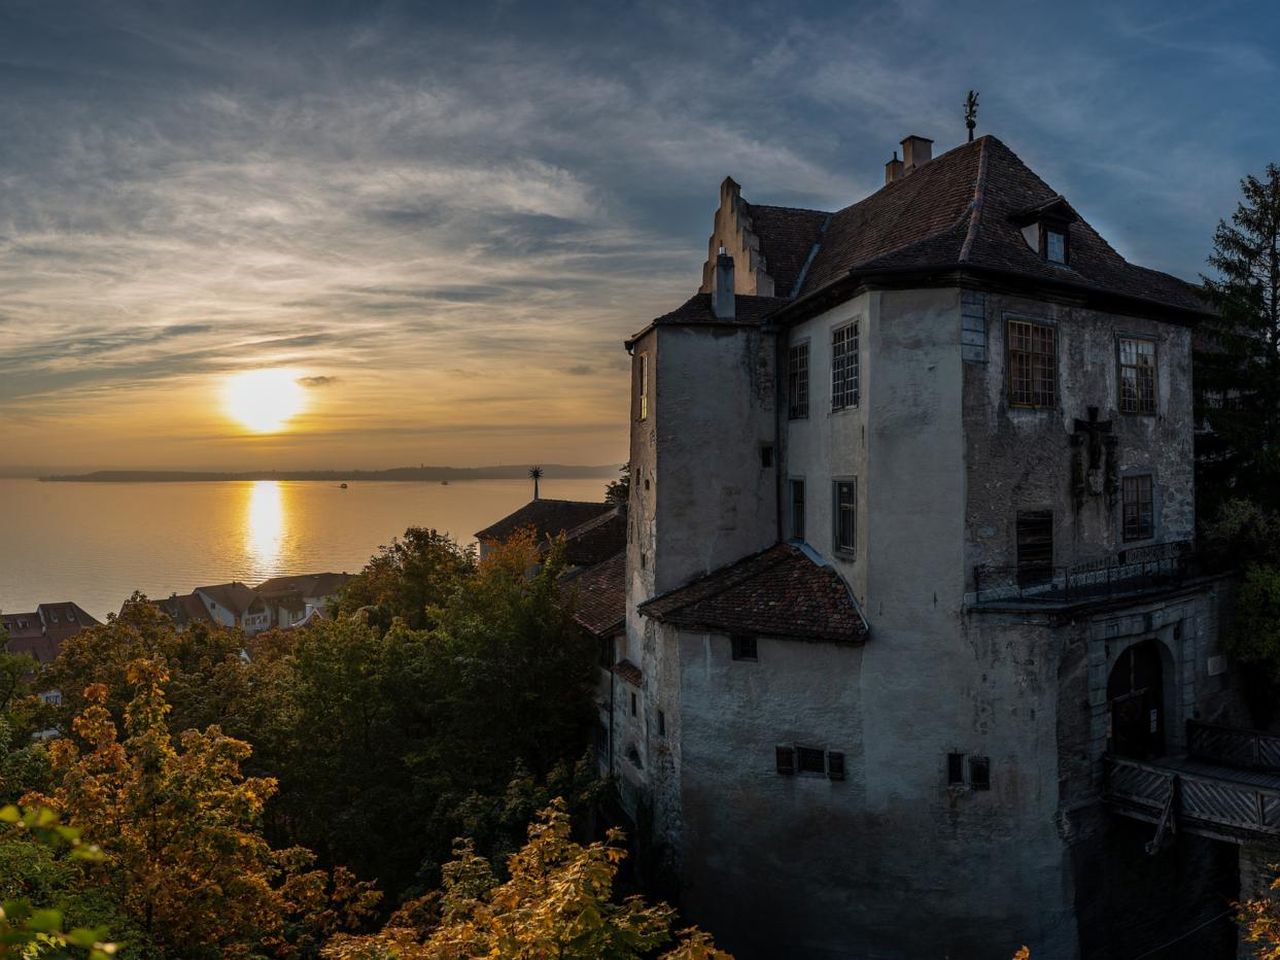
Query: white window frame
(846, 365)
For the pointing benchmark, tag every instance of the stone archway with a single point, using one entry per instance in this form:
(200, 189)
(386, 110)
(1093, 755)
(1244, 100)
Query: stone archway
(1136, 702)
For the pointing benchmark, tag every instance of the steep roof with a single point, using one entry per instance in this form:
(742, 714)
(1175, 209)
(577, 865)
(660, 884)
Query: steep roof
(962, 209)
(787, 235)
(234, 596)
(598, 539)
(549, 518)
(44, 630)
(305, 585)
(780, 592)
(600, 595)
(184, 609)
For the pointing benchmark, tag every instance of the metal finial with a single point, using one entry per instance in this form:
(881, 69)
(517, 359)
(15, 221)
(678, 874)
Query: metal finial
(971, 112)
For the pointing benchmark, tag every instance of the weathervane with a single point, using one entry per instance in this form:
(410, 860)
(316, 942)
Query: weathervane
(971, 112)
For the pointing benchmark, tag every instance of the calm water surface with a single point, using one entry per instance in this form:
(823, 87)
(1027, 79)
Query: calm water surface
(95, 543)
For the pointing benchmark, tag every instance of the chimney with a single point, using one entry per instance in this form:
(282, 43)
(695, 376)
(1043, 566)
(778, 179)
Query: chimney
(893, 169)
(916, 152)
(722, 301)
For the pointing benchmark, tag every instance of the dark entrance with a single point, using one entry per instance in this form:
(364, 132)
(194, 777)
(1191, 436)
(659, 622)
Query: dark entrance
(1135, 695)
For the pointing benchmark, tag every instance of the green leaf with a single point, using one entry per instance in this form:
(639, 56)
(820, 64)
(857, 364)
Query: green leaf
(45, 921)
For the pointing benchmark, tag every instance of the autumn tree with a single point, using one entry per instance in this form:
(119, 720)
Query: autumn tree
(178, 823)
(1238, 365)
(558, 901)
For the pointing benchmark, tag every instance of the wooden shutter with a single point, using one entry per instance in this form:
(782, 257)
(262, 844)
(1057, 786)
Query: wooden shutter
(786, 758)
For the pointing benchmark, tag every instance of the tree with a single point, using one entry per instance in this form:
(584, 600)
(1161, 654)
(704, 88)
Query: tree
(179, 828)
(409, 579)
(558, 902)
(619, 490)
(1238, 365)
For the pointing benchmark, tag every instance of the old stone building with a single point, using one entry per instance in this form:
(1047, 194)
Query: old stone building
(913, 621)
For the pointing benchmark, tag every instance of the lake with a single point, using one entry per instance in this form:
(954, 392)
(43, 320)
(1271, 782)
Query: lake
(95, 543)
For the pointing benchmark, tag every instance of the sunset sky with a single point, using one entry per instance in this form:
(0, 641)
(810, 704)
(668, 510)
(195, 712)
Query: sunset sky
(441, 220)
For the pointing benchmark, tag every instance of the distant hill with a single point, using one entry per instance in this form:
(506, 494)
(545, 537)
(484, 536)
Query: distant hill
(550, 471)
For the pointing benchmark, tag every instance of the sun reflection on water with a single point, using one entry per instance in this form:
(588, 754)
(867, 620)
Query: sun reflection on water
(265, 527)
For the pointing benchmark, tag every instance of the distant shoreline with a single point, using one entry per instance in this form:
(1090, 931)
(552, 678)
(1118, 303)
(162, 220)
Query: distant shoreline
(406, 474)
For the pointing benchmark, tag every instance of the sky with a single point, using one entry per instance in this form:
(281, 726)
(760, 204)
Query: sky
(442, 220)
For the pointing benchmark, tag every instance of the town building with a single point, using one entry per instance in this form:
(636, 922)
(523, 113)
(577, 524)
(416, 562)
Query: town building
(919, 662)
(546, 518)
(40, 633)
(293, 601)
(280, 603)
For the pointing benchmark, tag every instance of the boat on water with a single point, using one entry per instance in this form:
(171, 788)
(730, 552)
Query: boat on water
(444, 483)
(342, 486)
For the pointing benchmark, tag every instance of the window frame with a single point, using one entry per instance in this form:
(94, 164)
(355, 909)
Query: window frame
(846, 369)
(798, 380)
(1039, 398)
(643, 400)
(1029, 573)
(1133, 480)
(1140, 406)
(795, 484)
(744, 648)
(1063, 230)
(838, 546)
(976, 764)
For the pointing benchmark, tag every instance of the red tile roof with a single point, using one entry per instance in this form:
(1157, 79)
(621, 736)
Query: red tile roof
(599, 595)
(787, 236)
(629, 672)
(40, 634)
(598, 539)
(780, 592)
(234, 596)
(184, 609)
(549, 518)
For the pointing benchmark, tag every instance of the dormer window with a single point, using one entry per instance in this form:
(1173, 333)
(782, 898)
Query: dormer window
(1055, 244)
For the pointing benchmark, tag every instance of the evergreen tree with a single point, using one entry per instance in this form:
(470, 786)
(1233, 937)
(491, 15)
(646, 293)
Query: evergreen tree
(1238, 356)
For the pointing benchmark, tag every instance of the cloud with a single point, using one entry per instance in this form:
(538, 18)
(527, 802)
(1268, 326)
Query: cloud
(319, 381)
(580, 370)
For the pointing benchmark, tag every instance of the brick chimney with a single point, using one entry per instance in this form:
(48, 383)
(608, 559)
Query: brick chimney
(893, 169)
(916, 152)
(722, 300)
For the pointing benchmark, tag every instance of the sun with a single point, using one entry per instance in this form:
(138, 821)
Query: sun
(263, 400)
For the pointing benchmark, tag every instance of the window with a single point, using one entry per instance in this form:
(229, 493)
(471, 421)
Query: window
(607, 657)
(846, 506)
(979, 773)
(1139, 517)
(785, 758)
(643, 362)
(1035, 546)
(766, 455)
(835, 765)
(844, 366)
(744, 647)
(1033, 374)
(797, 509)
(955, 769)
(798, 381)
(1055, 245)
(973, 326)
(662, 724)
(1137, 376)
(633, 704)
(811, 760)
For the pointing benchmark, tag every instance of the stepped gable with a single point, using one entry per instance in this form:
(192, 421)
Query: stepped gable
(549, 518)
(780, 592)
(600, 595)
(787, 236)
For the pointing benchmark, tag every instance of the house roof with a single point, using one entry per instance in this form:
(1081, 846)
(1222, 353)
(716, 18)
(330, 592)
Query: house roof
(184, 609)
(40, 633)
(304, 585)
(779, 592)
(598, 539)
(234, 596)
(600, 595)
(964, 209)
(549, 518)
(787, 236)
(629, 672)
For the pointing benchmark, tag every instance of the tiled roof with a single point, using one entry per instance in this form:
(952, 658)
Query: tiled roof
(780, 592)
(304, 585)
(600, 595)
(787, 235)
(234, 596)
(629, 672)
(598, 539)
(549, 518)
(45, 629)
(748, 310)
(962, 209)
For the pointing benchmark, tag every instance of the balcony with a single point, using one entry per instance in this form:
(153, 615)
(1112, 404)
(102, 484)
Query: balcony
(1137, 570)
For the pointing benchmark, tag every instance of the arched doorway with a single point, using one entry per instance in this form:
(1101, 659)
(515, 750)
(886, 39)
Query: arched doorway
(1135, 697)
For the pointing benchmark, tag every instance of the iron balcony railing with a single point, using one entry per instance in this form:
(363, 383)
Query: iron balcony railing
(1129, 571)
